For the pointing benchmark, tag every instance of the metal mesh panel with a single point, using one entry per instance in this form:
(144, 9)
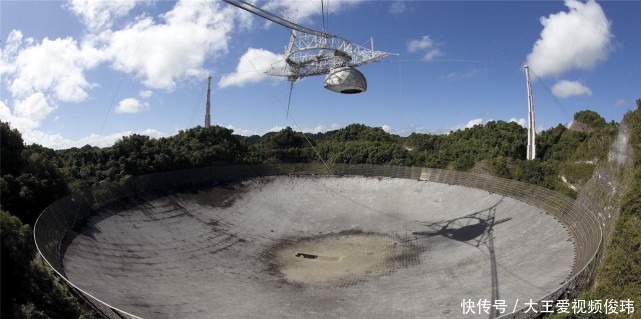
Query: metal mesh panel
(57, 222)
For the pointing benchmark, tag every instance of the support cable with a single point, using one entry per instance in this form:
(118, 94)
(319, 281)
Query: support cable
(288, 103)
(540, 80)
(115, 94)
(323, 14)
(289, 100)
(291, 89)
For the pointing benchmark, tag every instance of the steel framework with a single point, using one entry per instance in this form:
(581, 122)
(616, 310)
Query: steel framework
(309, 54)
(313, 52)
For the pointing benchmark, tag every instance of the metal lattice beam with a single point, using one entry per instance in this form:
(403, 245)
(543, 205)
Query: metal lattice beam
(309, 54)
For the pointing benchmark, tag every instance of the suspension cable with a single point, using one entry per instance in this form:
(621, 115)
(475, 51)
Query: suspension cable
(323, 14)
(291, 89)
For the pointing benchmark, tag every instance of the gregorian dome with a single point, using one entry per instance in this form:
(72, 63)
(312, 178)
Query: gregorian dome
(346, 80)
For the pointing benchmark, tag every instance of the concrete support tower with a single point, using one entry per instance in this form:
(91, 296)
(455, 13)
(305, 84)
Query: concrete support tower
(208, 104)
(531, 133)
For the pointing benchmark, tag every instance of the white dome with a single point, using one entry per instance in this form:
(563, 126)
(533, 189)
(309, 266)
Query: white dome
(345, 80)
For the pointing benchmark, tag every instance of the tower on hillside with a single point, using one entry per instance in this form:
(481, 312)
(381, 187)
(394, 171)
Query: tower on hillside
(531, 133)
(208, 104)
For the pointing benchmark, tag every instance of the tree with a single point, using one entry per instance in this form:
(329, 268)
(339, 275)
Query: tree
(28, 289)
(17, 252)
(358, 132)
(590, 118)
(11, 143)
(285, 139)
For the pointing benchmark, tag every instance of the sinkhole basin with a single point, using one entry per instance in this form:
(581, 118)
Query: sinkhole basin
(297, 246)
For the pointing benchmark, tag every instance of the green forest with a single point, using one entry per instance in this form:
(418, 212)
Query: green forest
(32, 177)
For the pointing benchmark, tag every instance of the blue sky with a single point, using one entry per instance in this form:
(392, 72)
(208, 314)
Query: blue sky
(88, 72)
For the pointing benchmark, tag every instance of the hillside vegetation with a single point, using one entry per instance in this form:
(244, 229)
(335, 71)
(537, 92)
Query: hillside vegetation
(620, 274)
(32, 177)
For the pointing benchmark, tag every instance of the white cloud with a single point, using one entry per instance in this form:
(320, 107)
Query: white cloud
(8, 53)
(159, 50)
(446, 130)
(276, 128)
(427, 45)
(564, 89)
(33, 107)
(244, 132)
(577, 39)
(28, 128)
(145, 94)
(620, 102)
(251, 68)
(131, 105)
(98, 15)
(53, 66)
(320, 128)
(471, 123)
(23, 124)
(39, 75)
(520, 121)
(250, 132)
(474, 122)
(387, 128)
(302, 11)
(421, 44)
(56, 141)
(162, 53)
(397, 7)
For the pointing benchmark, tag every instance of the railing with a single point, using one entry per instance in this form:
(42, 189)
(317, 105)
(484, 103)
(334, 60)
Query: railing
(58, 222)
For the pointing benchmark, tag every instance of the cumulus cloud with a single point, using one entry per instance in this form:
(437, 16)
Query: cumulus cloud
(98, 15)
(420, 44)
(30, 134)
(53, 66)
(564, 89)
(131, 105)
(425, 45)
(23, 124)
(39, 75)
(34, 107)
(577, 39)
(175, 48)
(251, 68)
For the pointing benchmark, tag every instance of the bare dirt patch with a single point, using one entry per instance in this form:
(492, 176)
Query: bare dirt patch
(340, 259)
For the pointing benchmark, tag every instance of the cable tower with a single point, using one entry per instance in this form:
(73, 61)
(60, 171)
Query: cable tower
(531, 133)
(208, 104)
